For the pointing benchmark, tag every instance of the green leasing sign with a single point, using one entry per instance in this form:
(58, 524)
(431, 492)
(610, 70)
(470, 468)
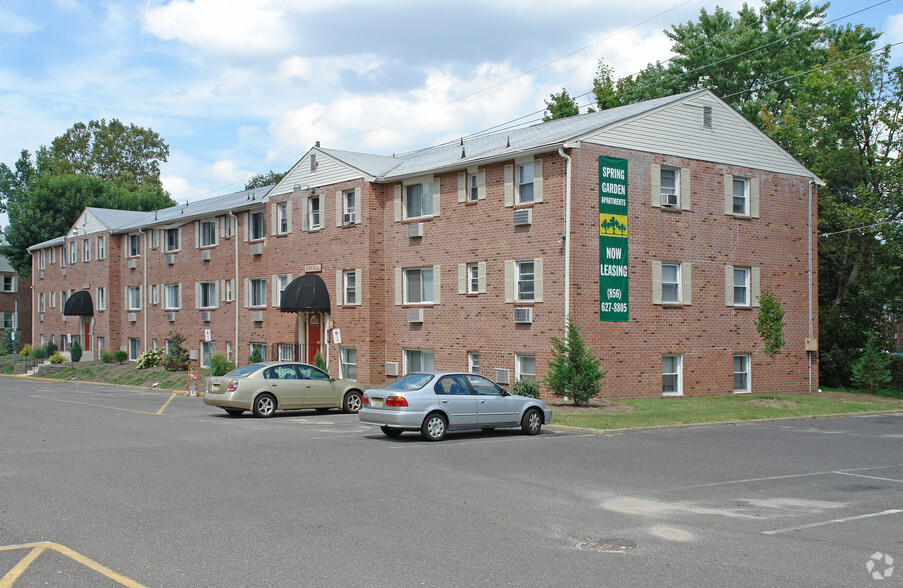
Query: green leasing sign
(613, 279)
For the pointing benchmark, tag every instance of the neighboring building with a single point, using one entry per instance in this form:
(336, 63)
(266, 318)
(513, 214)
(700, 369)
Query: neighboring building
(15, 303)
(655, 224)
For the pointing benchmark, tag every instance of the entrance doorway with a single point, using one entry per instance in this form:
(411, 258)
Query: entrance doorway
(86, 329)
(314, 336)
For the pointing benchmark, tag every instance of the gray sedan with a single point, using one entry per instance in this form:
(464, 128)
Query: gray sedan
(436, 402)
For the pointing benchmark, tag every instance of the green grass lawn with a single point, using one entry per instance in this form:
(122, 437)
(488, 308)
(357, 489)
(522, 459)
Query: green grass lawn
(656, 412)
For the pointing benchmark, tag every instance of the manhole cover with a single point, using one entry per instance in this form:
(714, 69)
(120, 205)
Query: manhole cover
(608, 545)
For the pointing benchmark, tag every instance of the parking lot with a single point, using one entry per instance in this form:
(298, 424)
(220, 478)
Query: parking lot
(104, 486)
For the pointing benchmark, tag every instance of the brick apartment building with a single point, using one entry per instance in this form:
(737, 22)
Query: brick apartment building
(15, 303)
(655, 225)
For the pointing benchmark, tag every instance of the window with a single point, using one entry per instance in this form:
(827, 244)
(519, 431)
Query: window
(670, 192)
(348, 363)
(525, 281)
(230, 294)
(349, 208)
(741, 286)
(101, 344)
(671, 283)
(73, 253)
(260, 347)
(350, 286)
(286, 352)
(281, 284)
(418, 360)
(208, 233)
(741, 373)
(101, 248)
(155, 239)
(228, 224)
(258, 293)
(134, 348)
(155, 294)
(42, 259)
(133, 293)
(207, 294)
(282, 218)
(313, 213)
(418, 285)
(172, 242)
(473, 187)
(42, 302)
(741, 196)
(418, 200)
(671, 375)
(101, 299)
(9, 284)
(208, 350)
(473, 362)
(155, 344)
(473, 278)
(525, 183)
(7, 320)
(229, 350)
(86, 250)
(172, 296)
(258, 225)
(525, 367)
(134, 245)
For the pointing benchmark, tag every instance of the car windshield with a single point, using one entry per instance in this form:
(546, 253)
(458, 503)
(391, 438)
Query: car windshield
(245, 370)
(410, 382)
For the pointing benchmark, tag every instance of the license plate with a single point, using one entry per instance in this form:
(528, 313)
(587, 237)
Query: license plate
(376, 401)
(215, 388)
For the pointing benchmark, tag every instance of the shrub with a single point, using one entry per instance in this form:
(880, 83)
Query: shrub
(75, 352)
(56, 358)
(120, 356)
(176, 359)
(25, 351)
(149, 359)
(256, 356)
(574, 370)
(526, 388)
(320, 362)
(8, 343)
(872, 370)
(50, 349)
(107, 356)
(37, 352)
(220, 366)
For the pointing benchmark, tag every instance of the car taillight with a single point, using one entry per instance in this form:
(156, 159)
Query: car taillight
(365, 399)
(233, 385)
(396, 401)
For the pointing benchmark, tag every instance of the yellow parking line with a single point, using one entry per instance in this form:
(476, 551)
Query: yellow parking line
(162, 408)
(38, 548)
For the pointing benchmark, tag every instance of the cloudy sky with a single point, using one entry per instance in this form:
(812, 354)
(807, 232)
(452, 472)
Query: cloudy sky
(239, 87)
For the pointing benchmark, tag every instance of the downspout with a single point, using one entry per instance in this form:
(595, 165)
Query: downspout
(809, 226)
(567, 240)
(144, 288)
(235, 285)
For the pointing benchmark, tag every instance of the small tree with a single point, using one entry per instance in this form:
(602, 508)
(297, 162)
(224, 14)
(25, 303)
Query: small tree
(320, 362)
(8, 343)
(176, 359)
(872, 370)
(75, 352)
(770, 325)
(574, 370)
(256, 356)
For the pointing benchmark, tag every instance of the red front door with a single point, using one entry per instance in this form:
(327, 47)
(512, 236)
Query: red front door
(313, 336)
(87, 322)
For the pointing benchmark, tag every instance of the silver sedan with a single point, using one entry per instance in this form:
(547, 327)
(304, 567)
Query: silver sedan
(436, 402)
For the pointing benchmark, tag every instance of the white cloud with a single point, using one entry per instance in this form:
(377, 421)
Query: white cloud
(893, 31)
(14, 24)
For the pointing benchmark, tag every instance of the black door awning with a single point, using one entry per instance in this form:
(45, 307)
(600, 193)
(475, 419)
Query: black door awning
(307, 293)
(79, 304)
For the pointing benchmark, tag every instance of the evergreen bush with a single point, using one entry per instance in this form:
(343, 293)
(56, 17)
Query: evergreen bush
(75, 352)
(526, 388)
(176, 359)
(573, 370)
(120, 356)
(320, 362)
(56, 358)
(8, 342)
(107, 356)
(872, 370)
(256, 356)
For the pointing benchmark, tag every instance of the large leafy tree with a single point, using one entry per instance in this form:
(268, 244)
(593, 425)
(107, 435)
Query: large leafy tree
(560, 105)
(267, 179)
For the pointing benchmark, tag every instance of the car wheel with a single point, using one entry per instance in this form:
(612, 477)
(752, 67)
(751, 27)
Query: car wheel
(532, 422)
(352, 402)
(264, 405)
(434, 427)
(390, 431)
(234, 411)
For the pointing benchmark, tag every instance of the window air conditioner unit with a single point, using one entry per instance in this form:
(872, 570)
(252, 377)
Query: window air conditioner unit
(257, 316)
(133, 317)
(415, 230)
(171, 317)
(205, 316)
(257, 249)
(133, 263)
(170, 260)
(205, 255)
(193, 354)
(523, 217)
(669, 199)
(415, 315)
(64, 271)
(41, 317)
(348, 218)
(500, 376)
(523, 315)
(391, 368)
(41, 274)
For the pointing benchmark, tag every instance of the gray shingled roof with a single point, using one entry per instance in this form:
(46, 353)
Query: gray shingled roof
(4, 265)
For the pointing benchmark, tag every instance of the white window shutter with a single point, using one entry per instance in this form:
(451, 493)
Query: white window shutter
(685, 188)
(509, 185)
(437, 284)
(509, 281)
(481, 277)
(754, 197)
(481, 184)
(655, 179)
(181, 242)
(359, 284)
(398, 203)
(288, 216)
(754, 286)
(222, 291)
(359, 214)
(728, 194)
(197, 294)
(247, 292)
(197, 234)
(247, 231)
(537, 279)
(686, 286)
(274, 221)
(537, 180)
(462, 186)
(304, 203)
(656, 282)
(339, 287)
(275, 293)
(437, 184)
(180, 295)
(398, 278)
(338, 208)
(729, 285)
(462, 278)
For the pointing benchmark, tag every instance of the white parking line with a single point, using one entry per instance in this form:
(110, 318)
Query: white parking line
(787, 477)
(834, 521)
(870, 477)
